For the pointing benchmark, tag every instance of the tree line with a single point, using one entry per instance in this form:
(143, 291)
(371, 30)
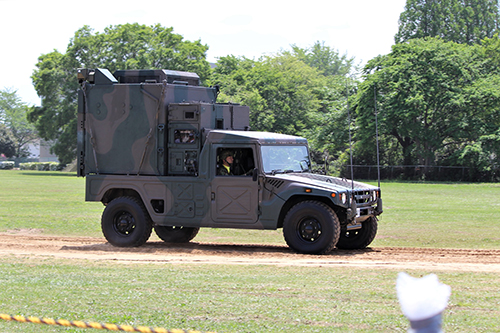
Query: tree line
(436, 95)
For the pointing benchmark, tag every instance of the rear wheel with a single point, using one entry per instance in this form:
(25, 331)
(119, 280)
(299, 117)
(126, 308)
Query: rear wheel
(311, 227)
(126, 223)
(359, 238)
(176, 234)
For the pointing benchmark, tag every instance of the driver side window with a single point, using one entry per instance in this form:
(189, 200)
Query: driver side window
(234, 161)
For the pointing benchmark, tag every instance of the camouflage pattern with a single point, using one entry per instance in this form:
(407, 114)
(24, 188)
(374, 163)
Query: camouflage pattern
(157, 136)
(136, 128)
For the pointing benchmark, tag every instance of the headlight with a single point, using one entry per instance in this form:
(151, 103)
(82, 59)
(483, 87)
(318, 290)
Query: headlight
(343, 197)
(374, 196)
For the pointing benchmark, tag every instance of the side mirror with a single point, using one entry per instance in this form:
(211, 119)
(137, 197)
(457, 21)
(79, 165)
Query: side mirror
(255, 174)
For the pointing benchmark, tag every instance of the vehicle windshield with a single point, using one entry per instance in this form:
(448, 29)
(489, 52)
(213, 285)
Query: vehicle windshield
(284, 159)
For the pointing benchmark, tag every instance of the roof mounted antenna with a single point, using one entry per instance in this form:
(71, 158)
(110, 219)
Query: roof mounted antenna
(376, 132)
(350, 139)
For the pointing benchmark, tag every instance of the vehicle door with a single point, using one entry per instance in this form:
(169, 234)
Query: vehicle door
(235, 195)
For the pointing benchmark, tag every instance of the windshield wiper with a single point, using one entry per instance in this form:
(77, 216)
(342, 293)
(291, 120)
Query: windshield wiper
(275, 171)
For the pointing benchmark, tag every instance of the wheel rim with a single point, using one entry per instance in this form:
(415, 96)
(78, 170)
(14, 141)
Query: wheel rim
(309, 229)
(124, 223)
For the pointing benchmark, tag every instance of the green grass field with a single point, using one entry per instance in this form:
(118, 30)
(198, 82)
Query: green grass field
(415, 214)
(229, 298)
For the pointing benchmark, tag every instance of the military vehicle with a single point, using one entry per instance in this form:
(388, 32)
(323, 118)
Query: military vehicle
(151, 144)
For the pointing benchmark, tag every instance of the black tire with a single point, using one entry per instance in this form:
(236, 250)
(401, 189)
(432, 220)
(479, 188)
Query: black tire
(359, 238)
(126, 223)
(311, 227)
(176, 234)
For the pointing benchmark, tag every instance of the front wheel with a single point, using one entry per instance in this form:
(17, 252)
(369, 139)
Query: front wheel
(126, 223)
(359, 238)
(311, 227)
(176, 234)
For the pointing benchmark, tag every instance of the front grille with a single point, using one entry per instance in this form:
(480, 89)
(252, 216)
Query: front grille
(363, 198)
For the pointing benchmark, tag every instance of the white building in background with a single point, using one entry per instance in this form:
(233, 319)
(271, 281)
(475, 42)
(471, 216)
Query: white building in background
(45, 155)
(40, 150)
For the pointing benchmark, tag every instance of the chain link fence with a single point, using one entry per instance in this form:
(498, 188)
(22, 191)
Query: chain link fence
(418, 172)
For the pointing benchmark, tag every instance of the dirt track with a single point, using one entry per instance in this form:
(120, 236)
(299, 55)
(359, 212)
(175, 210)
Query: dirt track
(24, 243)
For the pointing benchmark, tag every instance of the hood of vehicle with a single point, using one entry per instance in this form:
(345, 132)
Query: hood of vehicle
(327, 182)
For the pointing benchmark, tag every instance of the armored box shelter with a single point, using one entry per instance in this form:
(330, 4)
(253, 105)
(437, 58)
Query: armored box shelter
(147, 122)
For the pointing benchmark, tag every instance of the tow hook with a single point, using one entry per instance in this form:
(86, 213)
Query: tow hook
(353, 210)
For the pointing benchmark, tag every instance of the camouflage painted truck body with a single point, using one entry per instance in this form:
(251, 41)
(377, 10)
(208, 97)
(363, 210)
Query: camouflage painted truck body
(150, 145)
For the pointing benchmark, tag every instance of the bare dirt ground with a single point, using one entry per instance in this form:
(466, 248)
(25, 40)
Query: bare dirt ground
(29, 243)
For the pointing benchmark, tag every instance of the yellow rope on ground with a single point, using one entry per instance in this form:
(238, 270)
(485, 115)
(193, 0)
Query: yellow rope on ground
(82, 324)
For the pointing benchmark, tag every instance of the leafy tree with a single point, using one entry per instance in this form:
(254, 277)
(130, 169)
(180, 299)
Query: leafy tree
(481, 154)
(301, 92)
(13, 114)
(135, 46)
(324, 58)
(281, 91)
(128, 46)
(460, 21)
(329, 137)
(7, 142)
(56, 119)
(432, 99)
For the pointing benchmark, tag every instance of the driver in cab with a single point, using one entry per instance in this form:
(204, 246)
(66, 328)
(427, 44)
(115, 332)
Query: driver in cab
(227, 160)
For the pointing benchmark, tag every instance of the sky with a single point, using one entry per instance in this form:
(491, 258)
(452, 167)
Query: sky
(361, 29)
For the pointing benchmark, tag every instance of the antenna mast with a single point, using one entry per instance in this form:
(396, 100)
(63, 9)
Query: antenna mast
(350, 139)
(376, 132)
